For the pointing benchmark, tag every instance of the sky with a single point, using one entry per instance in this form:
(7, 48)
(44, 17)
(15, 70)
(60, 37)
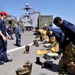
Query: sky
(62, 8)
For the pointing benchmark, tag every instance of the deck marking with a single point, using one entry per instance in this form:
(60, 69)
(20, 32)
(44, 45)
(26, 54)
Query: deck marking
(15, 49)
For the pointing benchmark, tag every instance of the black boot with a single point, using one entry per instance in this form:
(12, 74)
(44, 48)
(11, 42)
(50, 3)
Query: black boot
(38, 61)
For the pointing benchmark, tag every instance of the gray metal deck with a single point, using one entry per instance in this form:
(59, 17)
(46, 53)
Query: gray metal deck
(16, 53)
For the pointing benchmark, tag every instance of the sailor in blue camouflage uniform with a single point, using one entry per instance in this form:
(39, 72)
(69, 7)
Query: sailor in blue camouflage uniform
(3, 39)
(18, 35)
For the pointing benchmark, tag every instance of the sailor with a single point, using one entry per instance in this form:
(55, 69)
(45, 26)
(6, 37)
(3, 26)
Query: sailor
(10, 30)
(68, 30)
(3, 39)
(18, 35)
(42, 33)
(23, 29)
(59, 35)
(68, 59)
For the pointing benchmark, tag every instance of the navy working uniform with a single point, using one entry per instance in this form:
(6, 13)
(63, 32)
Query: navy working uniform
(3, 44)
(69, 31)
(10, 31)
(18, 35)
(58, 34)
(23, 29)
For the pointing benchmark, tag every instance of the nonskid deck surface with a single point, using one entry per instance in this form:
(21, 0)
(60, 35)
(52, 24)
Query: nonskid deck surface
(16, 53)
